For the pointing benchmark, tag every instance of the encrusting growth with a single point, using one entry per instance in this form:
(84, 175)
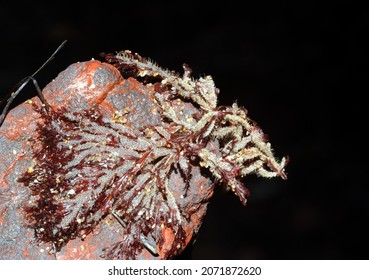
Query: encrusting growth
(151, 160)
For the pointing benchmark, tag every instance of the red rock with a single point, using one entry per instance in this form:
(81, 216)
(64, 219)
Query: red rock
(81, 85)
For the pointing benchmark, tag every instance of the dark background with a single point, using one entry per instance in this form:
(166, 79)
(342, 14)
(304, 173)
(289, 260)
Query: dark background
(300, 70)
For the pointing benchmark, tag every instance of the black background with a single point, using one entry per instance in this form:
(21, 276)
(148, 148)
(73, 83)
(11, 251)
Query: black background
(300, 70)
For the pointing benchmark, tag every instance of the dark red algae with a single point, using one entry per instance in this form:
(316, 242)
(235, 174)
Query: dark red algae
(128, 152)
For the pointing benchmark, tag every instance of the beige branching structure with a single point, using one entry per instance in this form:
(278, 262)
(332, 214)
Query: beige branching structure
(243, 149)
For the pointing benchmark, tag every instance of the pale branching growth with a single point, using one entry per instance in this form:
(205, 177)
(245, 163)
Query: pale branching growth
(151, 162)
(242, 147)
(203, 92)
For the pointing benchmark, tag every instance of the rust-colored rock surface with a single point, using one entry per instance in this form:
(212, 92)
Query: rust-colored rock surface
(81, 86)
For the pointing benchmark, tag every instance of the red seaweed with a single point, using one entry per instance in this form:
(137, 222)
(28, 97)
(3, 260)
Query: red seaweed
(153, 168)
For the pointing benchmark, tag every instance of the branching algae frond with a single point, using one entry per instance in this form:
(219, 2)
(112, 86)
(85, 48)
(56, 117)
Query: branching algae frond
(146, 150)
